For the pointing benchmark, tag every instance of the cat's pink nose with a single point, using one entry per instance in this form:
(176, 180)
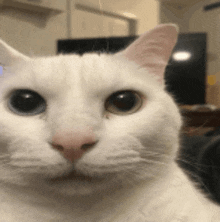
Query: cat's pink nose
(73, 144)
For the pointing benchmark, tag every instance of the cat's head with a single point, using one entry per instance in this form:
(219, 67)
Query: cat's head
(103, 117)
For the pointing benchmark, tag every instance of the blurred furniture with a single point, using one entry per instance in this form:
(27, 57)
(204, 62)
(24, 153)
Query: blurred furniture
(199, 152)
(200, 121)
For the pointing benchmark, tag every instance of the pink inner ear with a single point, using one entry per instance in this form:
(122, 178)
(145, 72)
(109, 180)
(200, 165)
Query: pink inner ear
(152, 50)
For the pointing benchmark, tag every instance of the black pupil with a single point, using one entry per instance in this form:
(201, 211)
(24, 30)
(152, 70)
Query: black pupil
(124, 101)
(26, 100)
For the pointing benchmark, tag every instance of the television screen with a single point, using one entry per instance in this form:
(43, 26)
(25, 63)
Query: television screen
(185, 73)
(81, 46)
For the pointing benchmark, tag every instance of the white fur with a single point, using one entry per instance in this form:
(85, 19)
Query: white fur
(134, 175)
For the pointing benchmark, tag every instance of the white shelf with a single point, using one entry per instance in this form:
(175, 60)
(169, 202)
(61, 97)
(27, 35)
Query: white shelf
(44, 6)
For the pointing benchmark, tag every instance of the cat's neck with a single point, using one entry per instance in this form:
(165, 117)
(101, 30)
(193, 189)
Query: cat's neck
(167, 199)
(178, 200)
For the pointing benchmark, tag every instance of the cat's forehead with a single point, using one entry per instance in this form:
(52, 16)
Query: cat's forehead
(88, 74)
(86, 68)
(91, 71)
(88, 71)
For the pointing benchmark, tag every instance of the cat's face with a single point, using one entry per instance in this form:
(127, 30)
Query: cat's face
(88, 120)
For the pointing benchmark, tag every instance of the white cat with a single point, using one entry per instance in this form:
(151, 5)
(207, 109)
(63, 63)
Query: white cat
(94, 138)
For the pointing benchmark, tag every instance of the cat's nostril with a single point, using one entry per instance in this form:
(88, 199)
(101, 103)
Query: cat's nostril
(73, 153)
(88, 145)
(84, 147)
(58, 147)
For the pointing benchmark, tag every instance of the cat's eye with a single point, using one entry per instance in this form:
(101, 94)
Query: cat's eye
(26, 102)
(124, 102)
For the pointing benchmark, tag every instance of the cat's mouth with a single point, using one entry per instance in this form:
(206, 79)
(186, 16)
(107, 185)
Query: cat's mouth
(74, 176)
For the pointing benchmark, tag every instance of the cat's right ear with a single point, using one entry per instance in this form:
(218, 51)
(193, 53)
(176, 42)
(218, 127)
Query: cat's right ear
(152, 49)
(10, 56)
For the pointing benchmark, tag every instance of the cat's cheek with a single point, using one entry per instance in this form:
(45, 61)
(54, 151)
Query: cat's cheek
(46, 164)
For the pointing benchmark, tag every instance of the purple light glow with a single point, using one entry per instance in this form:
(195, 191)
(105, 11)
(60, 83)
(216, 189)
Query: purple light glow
(1, 70)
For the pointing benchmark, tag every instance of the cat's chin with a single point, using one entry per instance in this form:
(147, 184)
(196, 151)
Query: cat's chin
(81, 185)
(74, 183)
(71, 183)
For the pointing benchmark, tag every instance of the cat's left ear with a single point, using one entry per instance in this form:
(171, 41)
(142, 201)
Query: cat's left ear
(10, 56)
(152, 49)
